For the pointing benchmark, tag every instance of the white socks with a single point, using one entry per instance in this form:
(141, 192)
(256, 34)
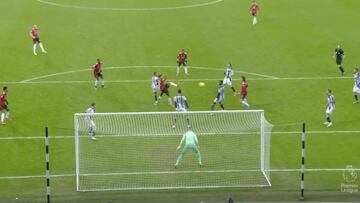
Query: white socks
(178, 70)
(41, 47)
(169, 100)
(2, 117)
(254, 21)
(34, 48)
(102, 83)
(244, 102)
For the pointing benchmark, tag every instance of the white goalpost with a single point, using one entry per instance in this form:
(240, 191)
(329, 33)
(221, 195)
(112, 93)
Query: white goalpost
(137, 151)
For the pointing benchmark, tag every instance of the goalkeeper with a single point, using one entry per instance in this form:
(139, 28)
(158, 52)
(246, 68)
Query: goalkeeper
(190, 141)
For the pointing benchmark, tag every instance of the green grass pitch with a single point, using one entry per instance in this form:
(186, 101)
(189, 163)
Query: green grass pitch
(287, 58)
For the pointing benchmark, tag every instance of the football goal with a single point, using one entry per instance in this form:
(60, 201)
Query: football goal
(137, 151)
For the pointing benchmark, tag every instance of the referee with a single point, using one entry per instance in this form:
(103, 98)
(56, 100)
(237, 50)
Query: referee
(339, 55)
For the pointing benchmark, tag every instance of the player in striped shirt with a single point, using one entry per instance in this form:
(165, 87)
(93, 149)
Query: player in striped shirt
(356, 88)
(34, 34)
(330, 107)
(4, 109)
(228, 77)
(219, 97)
(181, 105)
(155, 85)
(89, 120)
(189, 141)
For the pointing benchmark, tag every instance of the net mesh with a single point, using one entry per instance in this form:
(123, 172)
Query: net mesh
(138, 150)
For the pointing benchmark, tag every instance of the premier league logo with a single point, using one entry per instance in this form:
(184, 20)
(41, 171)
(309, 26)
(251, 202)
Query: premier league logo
(350, 177)
(349, 174)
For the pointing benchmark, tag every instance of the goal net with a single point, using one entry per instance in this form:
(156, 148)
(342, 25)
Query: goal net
(137, 151)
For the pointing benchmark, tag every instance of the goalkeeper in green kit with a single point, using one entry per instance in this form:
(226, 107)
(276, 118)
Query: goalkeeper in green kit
(190, 141)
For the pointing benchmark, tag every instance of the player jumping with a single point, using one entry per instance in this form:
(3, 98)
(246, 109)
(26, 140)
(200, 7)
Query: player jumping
(339, 55)
(5, 112)
(155, 85)
(254, 8)
(190, 141)
(164, 89)
(219, 97)
(330, 107)
(228, 77)
(182, 61)
(243, 92)
(98, 73)
(34, 33)
(89, 120)
(356, 88)
(181, 105)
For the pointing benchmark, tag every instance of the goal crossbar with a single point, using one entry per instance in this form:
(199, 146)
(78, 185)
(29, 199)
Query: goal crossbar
(136, 150)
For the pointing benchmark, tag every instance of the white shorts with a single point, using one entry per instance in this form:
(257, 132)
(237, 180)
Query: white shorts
(155, 88)
(90, 123)
(227, 81)
(181, 110)
(329, 110)
(356, 89)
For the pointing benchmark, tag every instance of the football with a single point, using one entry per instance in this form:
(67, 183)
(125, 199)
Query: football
(201, 84)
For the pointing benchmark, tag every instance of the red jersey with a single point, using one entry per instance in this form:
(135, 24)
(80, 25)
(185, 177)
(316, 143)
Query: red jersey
(254, 8)
(3, 99)
(163, 85)
(182, 57)
(97, 68)
(34, 33)
(244, 87)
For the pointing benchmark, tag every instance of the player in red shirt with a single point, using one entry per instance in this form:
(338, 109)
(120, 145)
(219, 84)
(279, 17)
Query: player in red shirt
(254, 8)
(182, 61)
(34, 33)
(164, 89)
(5, 113)
(243, 92)
(98, 73)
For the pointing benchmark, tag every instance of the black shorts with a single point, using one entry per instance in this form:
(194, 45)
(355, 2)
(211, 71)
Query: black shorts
(182, 63)
(338, 60)
(4, 107)
(98, 75)
(36, 40)
(165, 91)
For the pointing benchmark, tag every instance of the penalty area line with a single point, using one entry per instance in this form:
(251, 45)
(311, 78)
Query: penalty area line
(130, 9)
(31, 81)
(137, 67)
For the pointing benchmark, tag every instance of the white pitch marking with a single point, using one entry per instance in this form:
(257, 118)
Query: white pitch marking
(31, 81)
(136, 67)
(130, 9)
(272, 133)
(280, 170)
